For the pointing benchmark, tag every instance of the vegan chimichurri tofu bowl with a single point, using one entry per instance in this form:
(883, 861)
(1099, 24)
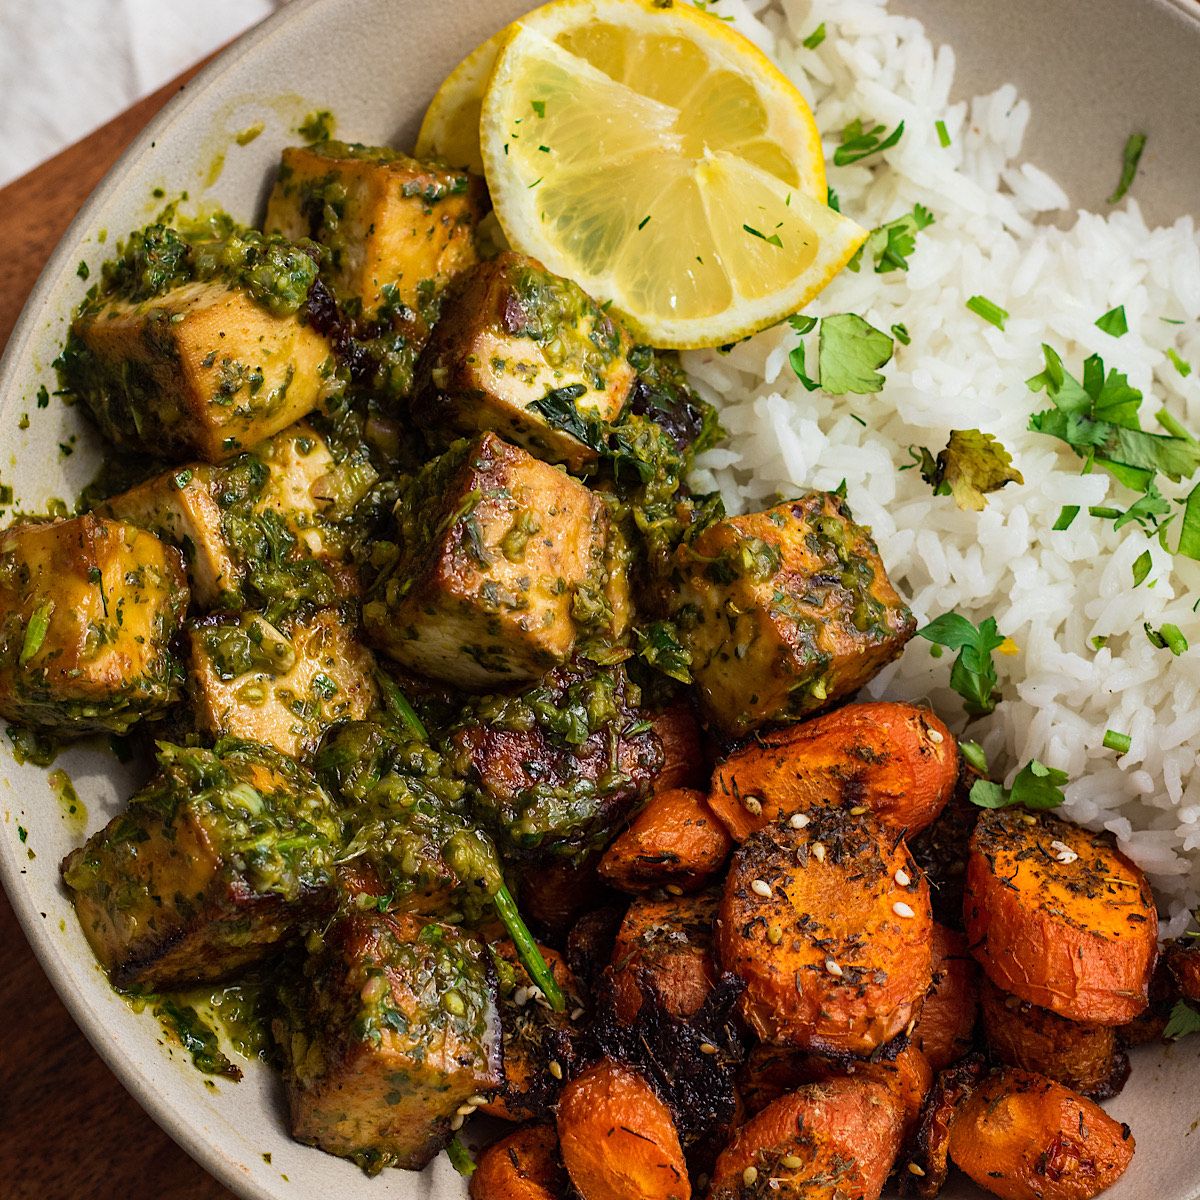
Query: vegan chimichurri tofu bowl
(629, 637)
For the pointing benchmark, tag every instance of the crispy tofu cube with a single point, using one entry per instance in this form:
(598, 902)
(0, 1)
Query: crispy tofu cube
(556, 768)
(88, 609)
(785, 611)
(215, 514)
(528, 354)
(390, 1031)
(398, 230)
(499, 565)
(280, 686)
(202, 371)
(225, 854)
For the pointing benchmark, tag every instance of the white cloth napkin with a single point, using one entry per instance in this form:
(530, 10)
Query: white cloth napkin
(67, 66)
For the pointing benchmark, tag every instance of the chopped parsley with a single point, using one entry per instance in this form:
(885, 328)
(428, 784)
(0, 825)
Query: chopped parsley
(1184, 1020)
(1066, 517)
(972, 464)
(1134, 145)
(981, 306)
(974, 756)
(643, 222)
(832, 201)
(901, 334)
(973, 675)
(773, 239)
(538, 106)
(1169, 637)
(82, 270)
(815, 38)
(849, 353)
(1180, 364)
(890, 245)
(859, 142)
(943, 133)
(1120, 742)
(1141, 567)
(1113, 322)
(1036, 786)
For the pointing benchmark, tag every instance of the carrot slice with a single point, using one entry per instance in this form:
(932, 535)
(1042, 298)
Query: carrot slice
(898, 760)
(1057, 916)
(947, 1018)
(526, 1165)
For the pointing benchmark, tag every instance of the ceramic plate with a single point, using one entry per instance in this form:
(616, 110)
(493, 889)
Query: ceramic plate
(1093, 69)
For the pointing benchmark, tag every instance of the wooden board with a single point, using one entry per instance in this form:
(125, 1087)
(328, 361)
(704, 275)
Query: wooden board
(69, 1130)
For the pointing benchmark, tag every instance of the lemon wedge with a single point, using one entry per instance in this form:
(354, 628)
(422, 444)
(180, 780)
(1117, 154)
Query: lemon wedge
(655, 156)
(450, 128)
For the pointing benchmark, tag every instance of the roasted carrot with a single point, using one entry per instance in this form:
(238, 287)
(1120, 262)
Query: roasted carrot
(947, 1018)
(618, 1138)
(941, 851)
(927, 1155)
(1024, 1137)
(674, 842)
(1057, 916)
(1086, 1058)
(526, 1165)
(685, 762)
(837, 1138)
(540, 1045)
(666, 945)
(554, 893)
(898, 760)
(830, 928)
(770, 1072)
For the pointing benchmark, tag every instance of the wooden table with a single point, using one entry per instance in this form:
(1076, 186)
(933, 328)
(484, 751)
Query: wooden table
(68, 1130)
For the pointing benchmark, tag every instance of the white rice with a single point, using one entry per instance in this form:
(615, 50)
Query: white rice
(1051, 592)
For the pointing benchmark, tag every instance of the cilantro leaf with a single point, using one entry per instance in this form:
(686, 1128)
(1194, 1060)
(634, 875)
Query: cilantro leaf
(1184, 1020)
(972, 464)
(1098, 419)
(890, 245)
(1113, 322)
(973, 675)
(849, 352)
(802, 325)
(1036, 786)
(815, 38)
(858, 142)
(1189, 533)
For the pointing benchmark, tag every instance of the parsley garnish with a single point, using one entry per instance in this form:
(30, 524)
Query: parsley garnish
(858, 142)
(849, 353)
(1184, 1020)
(1134, 146)
(538, 106)
(1036, 786)
(1169, 637)
(901, 334)
(1068, 514)
(973, 675)
(832, 201)
(942, 132)
(891, 244)
(981, 306)
(1113, 322)
(1180, 364)
(815, 38)
(645, 221)
(972, 464)
(1141, 567)
(773, 239)
(1120, 742)
(973, 754)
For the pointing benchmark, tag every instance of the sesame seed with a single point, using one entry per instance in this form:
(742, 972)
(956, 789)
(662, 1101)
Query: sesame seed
(858, 810)
(903, 910)
(791, 1161)
(818, 851)
(1029, 820)
(1062, 852)
(555, 1069)
(673, 889)
(465, 1110)
(750, 1176)
(456, 1124)
(707, 1048)
(477, 1100)
(576, 1013)
(913, 1169)
(753, 805)
(760, 887)
(798, 820)
(774, 934)
(902, 877)
(832, 967)
(936, 737)
(521, 997)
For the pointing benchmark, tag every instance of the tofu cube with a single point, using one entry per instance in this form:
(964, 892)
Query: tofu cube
(225, 854)
(513, 337)
(280, 686)
(388, 1033)
(208, 511)
(201, 371)
(785, 611)
(398, 230)
(88, 610)
(499, 565)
